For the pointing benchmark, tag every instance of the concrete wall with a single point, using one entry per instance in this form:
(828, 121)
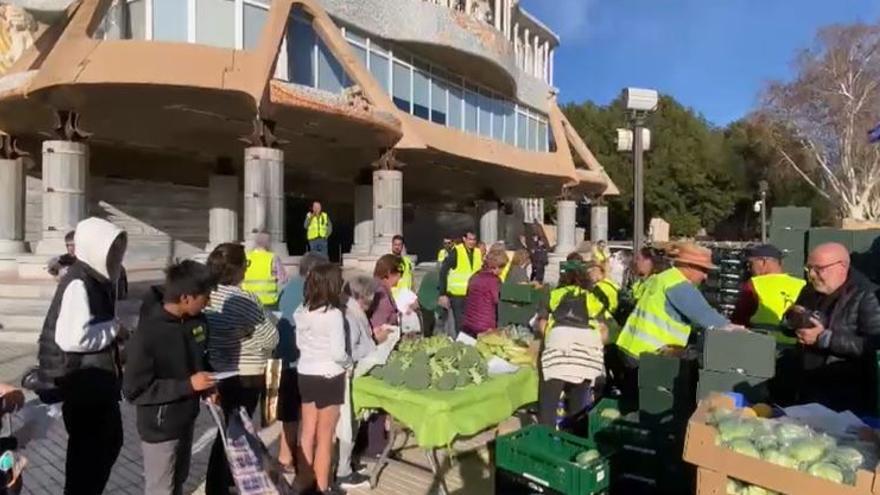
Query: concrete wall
(163, 220)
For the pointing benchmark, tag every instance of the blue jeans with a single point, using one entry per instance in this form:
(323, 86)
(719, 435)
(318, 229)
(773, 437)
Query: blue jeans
(318, 245)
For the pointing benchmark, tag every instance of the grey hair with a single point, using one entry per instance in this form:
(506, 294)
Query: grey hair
(309, 261)
(263, 240)
(362, 288)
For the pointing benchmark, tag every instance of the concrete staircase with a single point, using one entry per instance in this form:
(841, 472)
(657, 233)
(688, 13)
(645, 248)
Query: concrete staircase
(25, 301)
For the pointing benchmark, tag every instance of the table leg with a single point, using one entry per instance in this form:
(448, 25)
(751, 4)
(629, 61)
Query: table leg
(435, 468)
(383, 459)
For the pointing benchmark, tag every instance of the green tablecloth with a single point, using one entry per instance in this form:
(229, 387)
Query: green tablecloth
(437, 418)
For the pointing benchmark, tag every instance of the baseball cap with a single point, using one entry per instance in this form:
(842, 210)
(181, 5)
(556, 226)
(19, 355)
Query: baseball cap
(765, 251)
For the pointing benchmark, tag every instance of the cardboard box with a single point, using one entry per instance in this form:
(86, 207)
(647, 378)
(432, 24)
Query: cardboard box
(747, 353)
(711, 483)
(700, 449)
(754, 389)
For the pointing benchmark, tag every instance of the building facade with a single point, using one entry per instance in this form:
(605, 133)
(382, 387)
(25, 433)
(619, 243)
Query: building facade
(196, 122)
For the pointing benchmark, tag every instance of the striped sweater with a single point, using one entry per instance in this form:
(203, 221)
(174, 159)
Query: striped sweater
(573, 355)
(241, 335)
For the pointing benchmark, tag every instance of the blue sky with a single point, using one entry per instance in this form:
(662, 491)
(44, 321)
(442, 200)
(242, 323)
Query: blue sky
(713, 55)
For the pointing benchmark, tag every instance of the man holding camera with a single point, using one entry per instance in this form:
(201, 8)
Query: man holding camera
(837, 323)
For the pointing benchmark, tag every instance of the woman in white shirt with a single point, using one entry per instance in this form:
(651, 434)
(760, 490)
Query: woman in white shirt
(320, 337)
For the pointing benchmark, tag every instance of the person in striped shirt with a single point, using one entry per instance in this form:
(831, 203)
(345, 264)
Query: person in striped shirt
(241, 338)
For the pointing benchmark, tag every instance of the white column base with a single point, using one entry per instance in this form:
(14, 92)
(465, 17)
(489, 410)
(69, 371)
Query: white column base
(13, 247)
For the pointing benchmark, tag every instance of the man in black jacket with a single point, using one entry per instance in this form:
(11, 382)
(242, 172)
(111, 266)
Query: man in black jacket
(837, 321)
(165, 374)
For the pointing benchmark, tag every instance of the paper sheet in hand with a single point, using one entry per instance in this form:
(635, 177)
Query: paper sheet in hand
(824, 419)
(379, 356)
(222, 375)
(404, 299)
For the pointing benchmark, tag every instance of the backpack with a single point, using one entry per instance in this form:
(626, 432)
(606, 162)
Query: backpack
(572, 311)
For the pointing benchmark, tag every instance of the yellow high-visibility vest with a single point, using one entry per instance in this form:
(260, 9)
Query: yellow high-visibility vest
(612, 293)
(649, 327)
(441, 255)
(317, 226)
(457, 281)
(259, 278)
(638, 287)
(406, 276)
(592, 305)
(506, 270)
(776, 293)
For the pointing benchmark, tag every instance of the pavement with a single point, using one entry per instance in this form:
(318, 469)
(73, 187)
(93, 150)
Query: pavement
(468, 473)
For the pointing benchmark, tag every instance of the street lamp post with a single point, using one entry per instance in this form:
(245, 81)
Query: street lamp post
(639, 103)
(763, 187)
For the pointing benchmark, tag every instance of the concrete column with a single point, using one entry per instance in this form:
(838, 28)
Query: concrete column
(598, 223)
(65, 176)
(527, 55)
(264, 196)
(565, 225)
(545, 68)
(552, 66)
(363, 219)
(387, 209)
(488, 212)
(223, 215)
(496, 15)
(12, 194)
(536, 46)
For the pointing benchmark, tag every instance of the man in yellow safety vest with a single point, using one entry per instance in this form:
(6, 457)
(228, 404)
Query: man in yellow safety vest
(455, 273)
(766, 297)
(665, 315)
(318, 228)
(265, 271)
(447, 248)
(406, 266)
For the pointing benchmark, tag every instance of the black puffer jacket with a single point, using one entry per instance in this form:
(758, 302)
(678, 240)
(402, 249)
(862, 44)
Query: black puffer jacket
(840, 372)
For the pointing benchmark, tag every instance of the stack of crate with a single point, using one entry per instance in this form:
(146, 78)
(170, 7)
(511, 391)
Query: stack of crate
(722, 287)
(649, 441)
(519, 303)
(739, 361)
(788, 232)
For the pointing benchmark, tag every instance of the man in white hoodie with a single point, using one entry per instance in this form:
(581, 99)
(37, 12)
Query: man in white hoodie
(78, 350)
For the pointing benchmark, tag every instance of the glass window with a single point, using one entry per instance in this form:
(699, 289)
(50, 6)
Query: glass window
(215, 23)
(542, 136)
(485, 103)
(402, 87)
(522, 130)
(360, 52)
(355, 36)
(438, 100)
(254, 20)
(331, 76)
(169, 20)
(421, 104)
(471, 111)
(137, 19)
(379, 67)
(300, 51)
(509, 123)
(498, 119)
(533, 134)
(455, 103)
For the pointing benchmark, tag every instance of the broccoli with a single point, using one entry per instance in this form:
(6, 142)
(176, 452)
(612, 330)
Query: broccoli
(462, 379)
(378, 372)
(393, 374)
(446, 353)
(478, 374)
(446, 382)
(420, 357)
(469, 358)
(417, 377)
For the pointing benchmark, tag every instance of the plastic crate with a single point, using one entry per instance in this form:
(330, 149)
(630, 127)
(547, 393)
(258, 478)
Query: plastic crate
(546, 458)
(625, 430)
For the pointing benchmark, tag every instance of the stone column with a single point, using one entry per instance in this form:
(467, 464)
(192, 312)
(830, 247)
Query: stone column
(565, 225)
(12, 194)
(363, 219)
(488, 211)
(387, 209)
(65, 176)
(223, 215)
(264, 196)
(552, 65)
(598, 223)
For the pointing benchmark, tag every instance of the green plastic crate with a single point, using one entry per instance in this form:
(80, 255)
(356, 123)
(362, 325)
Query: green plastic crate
(625, 430)
(754, 389)
(747, 353)
(546, 457)
(667, 372)
(519, 293)
(515, 314)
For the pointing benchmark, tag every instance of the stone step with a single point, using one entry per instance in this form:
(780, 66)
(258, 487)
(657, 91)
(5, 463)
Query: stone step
(23, 306)
(22, 322)
(20, 335)
(20, 289)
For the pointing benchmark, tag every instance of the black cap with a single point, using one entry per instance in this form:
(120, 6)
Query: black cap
(765, 251)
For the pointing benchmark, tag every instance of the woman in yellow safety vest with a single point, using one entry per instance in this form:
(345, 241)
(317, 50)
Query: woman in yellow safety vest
(643, 268)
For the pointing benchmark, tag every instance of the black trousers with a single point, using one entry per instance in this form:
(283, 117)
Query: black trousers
(576, 399)
(457, 305)
(94, 439)
(235, 392)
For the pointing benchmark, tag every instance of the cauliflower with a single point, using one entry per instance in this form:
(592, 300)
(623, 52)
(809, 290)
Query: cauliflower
(826, 471)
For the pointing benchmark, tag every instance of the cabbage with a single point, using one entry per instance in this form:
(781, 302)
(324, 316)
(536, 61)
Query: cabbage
(744, 446)
(789, 432)
(807, 450)
(718, 415)
(586, 457)
(826, 471)
(776, 457)
(756, 490)
(765, 442)
(846, 457)
(610, 413)
(733, 428)
(734, 487)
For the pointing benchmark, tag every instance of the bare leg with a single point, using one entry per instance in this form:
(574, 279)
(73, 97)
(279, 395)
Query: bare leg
(327, 419)
(287, 443)
(307, 437)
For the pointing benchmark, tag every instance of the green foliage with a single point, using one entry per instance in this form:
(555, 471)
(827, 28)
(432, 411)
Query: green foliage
(696, 175)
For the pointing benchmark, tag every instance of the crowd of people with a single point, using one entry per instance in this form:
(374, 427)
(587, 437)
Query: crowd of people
(207, 333)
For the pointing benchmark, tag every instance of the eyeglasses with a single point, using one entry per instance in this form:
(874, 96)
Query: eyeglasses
(818, 269)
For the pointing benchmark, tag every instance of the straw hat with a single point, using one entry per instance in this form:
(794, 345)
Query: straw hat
(688, 253)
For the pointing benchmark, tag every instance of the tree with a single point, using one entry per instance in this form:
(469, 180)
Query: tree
(828, 109)
(686, 179)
